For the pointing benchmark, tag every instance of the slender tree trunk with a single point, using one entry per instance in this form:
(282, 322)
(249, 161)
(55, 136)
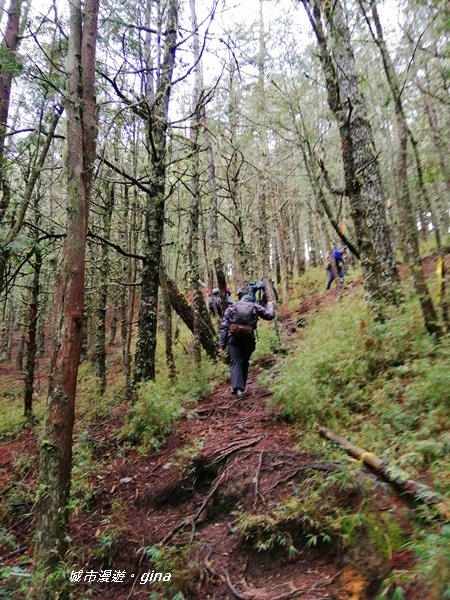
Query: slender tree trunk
(283, 239)
(102, 299)
(298, 241)
(30, 365)
(7, 331)
(56, 443)
(22, 333)
(7, 69)
(170, 360)
(263, 163)
(128, 309)
(193, 245)
(154, 212)
(313, 253)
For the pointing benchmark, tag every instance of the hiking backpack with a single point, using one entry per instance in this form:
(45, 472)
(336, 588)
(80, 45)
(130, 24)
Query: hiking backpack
(242, 319)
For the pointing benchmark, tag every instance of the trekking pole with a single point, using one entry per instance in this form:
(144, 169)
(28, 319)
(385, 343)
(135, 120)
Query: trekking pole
(276, 329)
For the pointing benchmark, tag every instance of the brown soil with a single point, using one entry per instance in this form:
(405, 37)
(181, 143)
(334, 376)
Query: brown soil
(243, 457)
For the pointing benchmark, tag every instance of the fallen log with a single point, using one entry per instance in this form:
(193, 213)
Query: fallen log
(395, 476)
(208, 334)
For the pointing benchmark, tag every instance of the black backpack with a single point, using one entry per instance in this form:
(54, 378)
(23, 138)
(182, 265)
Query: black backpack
(243, 319)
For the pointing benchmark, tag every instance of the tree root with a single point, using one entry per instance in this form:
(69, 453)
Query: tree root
(252, 593)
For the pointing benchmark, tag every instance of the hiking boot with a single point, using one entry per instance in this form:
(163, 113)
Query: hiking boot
(239, 394)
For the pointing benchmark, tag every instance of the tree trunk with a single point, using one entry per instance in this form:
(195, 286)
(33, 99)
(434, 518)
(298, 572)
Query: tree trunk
(170, 360)
(362, 179)
(56, 443)
(102, 298)
(193, 244)
(128, 307)
(409, 231)
(264, 250)
(154, 211)
(22, 333)
(7, 70)
(298, 241)
(208, 335)
(30, 365)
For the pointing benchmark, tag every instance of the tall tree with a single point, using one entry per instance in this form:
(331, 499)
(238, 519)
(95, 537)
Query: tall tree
(359, 156)
(8, 69)
(408, 226)
(156, 114)
(56, 444)
(194, 221)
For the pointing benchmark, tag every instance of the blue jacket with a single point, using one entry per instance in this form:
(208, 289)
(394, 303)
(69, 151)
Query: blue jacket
(338, 258)
(265, 313)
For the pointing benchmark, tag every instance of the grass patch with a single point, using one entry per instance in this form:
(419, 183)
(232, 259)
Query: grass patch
(386, 388)
(162, 403)
(336, 509)
(12, 409)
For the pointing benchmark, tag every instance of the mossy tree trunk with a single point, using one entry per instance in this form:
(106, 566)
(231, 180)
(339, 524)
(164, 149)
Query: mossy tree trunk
(170, 360)
(264, 250)
(30, 363)
(102, 294)
(157, 108)
(362, 177)
(194, 222)
(408, 227)
(7, 69)
(56, 444)
(181, 306)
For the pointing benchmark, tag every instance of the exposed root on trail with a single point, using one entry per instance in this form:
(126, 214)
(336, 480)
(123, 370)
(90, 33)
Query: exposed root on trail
(238, 476)
(252, 593)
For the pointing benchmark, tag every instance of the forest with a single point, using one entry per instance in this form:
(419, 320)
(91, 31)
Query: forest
(156, 155)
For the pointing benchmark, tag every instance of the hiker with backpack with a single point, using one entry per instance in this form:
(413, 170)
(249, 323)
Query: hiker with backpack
(214, 303)
(258, 292)
(237, 332)
(336, 265)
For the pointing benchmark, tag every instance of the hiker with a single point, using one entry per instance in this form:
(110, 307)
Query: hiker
(237, 332)
(262, 292)
(338, 258)
(258, 292)
(214, 301)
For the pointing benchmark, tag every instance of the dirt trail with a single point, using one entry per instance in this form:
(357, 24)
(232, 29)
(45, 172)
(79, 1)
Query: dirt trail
(223, 458)
(248, 460)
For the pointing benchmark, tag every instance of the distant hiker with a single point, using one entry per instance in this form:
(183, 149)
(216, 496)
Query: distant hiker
(214, 301)
(336, 265)
(237, 332)
(262, 292)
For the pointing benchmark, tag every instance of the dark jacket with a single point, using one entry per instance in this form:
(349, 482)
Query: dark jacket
(265, 313)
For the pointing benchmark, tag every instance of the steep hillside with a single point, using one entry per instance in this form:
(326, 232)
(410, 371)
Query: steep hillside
(244, 499)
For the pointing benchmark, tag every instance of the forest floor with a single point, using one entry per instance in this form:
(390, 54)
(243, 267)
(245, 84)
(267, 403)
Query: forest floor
(205, 507)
